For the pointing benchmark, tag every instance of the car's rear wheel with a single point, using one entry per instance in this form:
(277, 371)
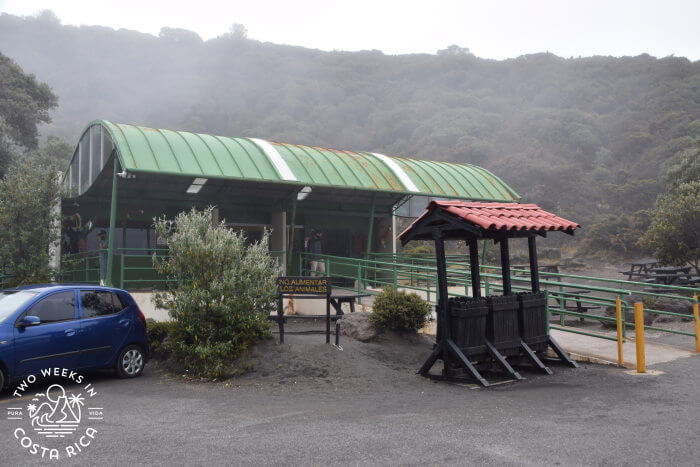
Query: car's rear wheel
(3, 380)
(130, 362)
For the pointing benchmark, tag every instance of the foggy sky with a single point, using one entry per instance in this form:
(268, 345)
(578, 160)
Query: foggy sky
(491, 29)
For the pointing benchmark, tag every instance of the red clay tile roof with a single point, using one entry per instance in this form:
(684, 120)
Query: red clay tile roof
(502, 216)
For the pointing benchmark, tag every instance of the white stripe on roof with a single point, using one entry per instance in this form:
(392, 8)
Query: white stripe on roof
(280, 165)
(398, 171)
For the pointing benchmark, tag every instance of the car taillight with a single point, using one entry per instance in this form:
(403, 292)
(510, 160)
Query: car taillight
(142, 317)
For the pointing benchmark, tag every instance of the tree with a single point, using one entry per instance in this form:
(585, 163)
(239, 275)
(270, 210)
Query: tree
(24, 104)
(54, 152)
(221, 291)
(674, 233)
(28, 222)
(184, 36)
(687, 170)
(238, 31)
(454, 49)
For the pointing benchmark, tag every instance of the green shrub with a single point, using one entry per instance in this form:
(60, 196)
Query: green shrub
(221, 291)
(157, 332)
(418, 250)
(398, 310)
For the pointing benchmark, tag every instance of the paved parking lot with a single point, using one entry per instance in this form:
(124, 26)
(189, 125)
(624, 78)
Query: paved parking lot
(593, 415)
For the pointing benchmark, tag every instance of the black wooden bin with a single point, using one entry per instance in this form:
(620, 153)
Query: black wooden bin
(468, 325)
(502, 328)
(532, 320)
(468, 317)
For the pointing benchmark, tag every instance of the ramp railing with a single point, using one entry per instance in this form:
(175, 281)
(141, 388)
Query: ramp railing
(570, 295)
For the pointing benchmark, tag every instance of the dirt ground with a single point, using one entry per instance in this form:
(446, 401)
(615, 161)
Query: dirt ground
(307, 361)
(306, 357)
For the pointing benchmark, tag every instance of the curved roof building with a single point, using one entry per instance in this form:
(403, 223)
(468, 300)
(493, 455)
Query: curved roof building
(122, 176)
(179, 153)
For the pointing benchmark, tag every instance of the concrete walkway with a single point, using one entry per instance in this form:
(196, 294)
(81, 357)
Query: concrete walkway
(593, 349)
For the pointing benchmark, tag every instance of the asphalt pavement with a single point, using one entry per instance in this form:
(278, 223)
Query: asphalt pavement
(594, 415)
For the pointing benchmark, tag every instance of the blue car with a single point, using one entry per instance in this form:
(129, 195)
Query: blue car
(70, 326)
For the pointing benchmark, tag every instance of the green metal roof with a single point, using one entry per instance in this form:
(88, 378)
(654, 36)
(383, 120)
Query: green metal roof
(143, 149)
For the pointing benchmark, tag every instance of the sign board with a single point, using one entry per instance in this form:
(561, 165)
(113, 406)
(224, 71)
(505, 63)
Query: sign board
(304, 285)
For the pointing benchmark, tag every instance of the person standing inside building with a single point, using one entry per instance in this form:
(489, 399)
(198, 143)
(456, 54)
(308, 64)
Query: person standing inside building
(318, 266)
(102, 246)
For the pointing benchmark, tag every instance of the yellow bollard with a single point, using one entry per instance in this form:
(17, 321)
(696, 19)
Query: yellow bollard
(618, 319)
(639, 336)
(697, 323)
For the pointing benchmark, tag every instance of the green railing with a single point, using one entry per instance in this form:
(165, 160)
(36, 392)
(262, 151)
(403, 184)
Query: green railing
(132, 268)
(567, 292)
(80, 268)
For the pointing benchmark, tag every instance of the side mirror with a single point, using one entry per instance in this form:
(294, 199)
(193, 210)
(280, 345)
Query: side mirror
(29, 321)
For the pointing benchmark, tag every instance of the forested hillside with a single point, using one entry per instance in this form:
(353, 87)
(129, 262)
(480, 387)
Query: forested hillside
(587, 137)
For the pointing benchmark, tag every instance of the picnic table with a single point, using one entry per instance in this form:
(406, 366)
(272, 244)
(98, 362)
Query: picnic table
(668, 275)
(670, 270)
(671, 275)
(640, 268)
(524, 269)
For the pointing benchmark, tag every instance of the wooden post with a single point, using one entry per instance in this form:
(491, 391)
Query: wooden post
(474, 266)
(534, 271)
(620, 325)
(696, 317)
(443, 325)
(280, 316)
(328, 320)
(639, 336)
(505, 266)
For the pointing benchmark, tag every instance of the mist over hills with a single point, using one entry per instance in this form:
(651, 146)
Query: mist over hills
(586, 137)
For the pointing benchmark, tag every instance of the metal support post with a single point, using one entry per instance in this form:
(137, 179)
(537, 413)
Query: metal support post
(121, 270)
(290, 247)
(112, 222)
(370, 228)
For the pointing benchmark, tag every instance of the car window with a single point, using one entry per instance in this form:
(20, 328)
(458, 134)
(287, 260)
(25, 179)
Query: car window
(100, 303)
(56, 307)
(11, 301)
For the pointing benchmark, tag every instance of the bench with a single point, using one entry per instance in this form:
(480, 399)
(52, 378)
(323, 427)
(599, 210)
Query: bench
(630, 274)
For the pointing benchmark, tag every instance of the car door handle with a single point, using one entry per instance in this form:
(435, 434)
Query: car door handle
(124, 322)
(70, 332)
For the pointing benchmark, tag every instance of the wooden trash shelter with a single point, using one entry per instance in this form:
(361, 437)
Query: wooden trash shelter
(478, 332)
